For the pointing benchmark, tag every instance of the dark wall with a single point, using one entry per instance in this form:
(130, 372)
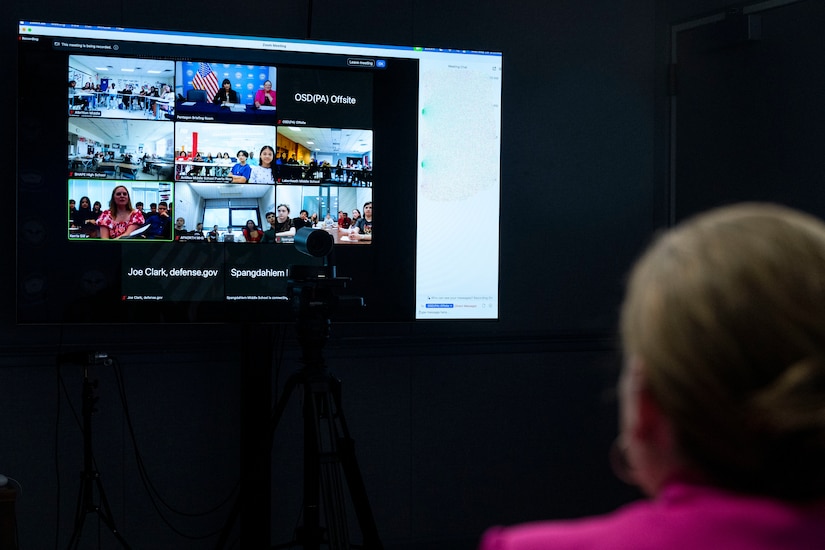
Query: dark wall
(457, 425)
(748, 118)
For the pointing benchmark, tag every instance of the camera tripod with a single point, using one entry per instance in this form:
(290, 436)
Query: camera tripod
(90, 477)
(329, 449)
(328, 452)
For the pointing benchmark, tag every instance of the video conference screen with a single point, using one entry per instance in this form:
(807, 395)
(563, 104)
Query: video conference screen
(171, 179)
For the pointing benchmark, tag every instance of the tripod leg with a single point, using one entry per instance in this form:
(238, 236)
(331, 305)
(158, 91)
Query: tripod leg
(328, 451)
(358, 492)
(312, 468)
(105, 513)
(331, 482)
(85, 499)
(280, 407)
(79, 515)
(232, 518)
(289, 387)
(355, 482)
(323, 487)
(86, 505)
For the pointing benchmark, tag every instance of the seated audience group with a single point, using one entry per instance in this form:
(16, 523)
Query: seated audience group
(121, 219)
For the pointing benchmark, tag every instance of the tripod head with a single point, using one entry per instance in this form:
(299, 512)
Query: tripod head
(315, 294)
(85, 358)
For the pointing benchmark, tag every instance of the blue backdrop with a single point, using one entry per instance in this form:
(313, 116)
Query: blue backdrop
(246, 79)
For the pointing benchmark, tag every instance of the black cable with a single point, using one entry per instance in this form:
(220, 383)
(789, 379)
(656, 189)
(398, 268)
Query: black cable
(277, 337)
(86, 359)
(154, 495)
(61, 385)
(59, 381)
(69, 402)
(57, 460)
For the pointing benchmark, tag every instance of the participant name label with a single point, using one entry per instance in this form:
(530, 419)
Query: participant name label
(174, 272)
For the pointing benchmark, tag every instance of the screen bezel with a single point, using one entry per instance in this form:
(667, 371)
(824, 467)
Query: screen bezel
(383, 273)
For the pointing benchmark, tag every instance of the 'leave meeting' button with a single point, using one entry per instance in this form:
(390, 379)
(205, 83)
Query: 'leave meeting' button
(354, 62)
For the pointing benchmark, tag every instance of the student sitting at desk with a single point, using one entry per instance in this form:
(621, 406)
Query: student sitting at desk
(280, 225)
(264, 173)
(160, 222)
(209, 160)
(75, 98)
(84, 219)
(361, 229)
(302, 220)
(226, 161)
(196, 170)
(166, 103)
(89, 90)
(126, 101)
(213, 235)
(111, 96)
(344, 221)
(251, 233)
(241, 171)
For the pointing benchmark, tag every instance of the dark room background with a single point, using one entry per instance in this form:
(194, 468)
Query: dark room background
(620, 118)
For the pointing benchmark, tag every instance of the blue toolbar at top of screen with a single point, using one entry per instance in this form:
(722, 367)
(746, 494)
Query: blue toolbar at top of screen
(60, 29)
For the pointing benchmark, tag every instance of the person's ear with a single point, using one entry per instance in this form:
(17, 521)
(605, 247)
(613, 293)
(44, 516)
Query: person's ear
(650, 418)
(650, 423)
(649, 437)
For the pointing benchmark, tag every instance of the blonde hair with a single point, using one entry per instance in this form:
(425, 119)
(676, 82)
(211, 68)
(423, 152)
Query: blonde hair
(113, 203)
(727, 312)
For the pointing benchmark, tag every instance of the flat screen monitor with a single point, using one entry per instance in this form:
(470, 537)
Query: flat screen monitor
(169, 180)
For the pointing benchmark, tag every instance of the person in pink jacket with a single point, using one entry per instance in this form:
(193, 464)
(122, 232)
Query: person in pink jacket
(265, 97)
(722, 393)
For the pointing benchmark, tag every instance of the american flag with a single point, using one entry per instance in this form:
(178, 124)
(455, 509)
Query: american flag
(205, 79)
